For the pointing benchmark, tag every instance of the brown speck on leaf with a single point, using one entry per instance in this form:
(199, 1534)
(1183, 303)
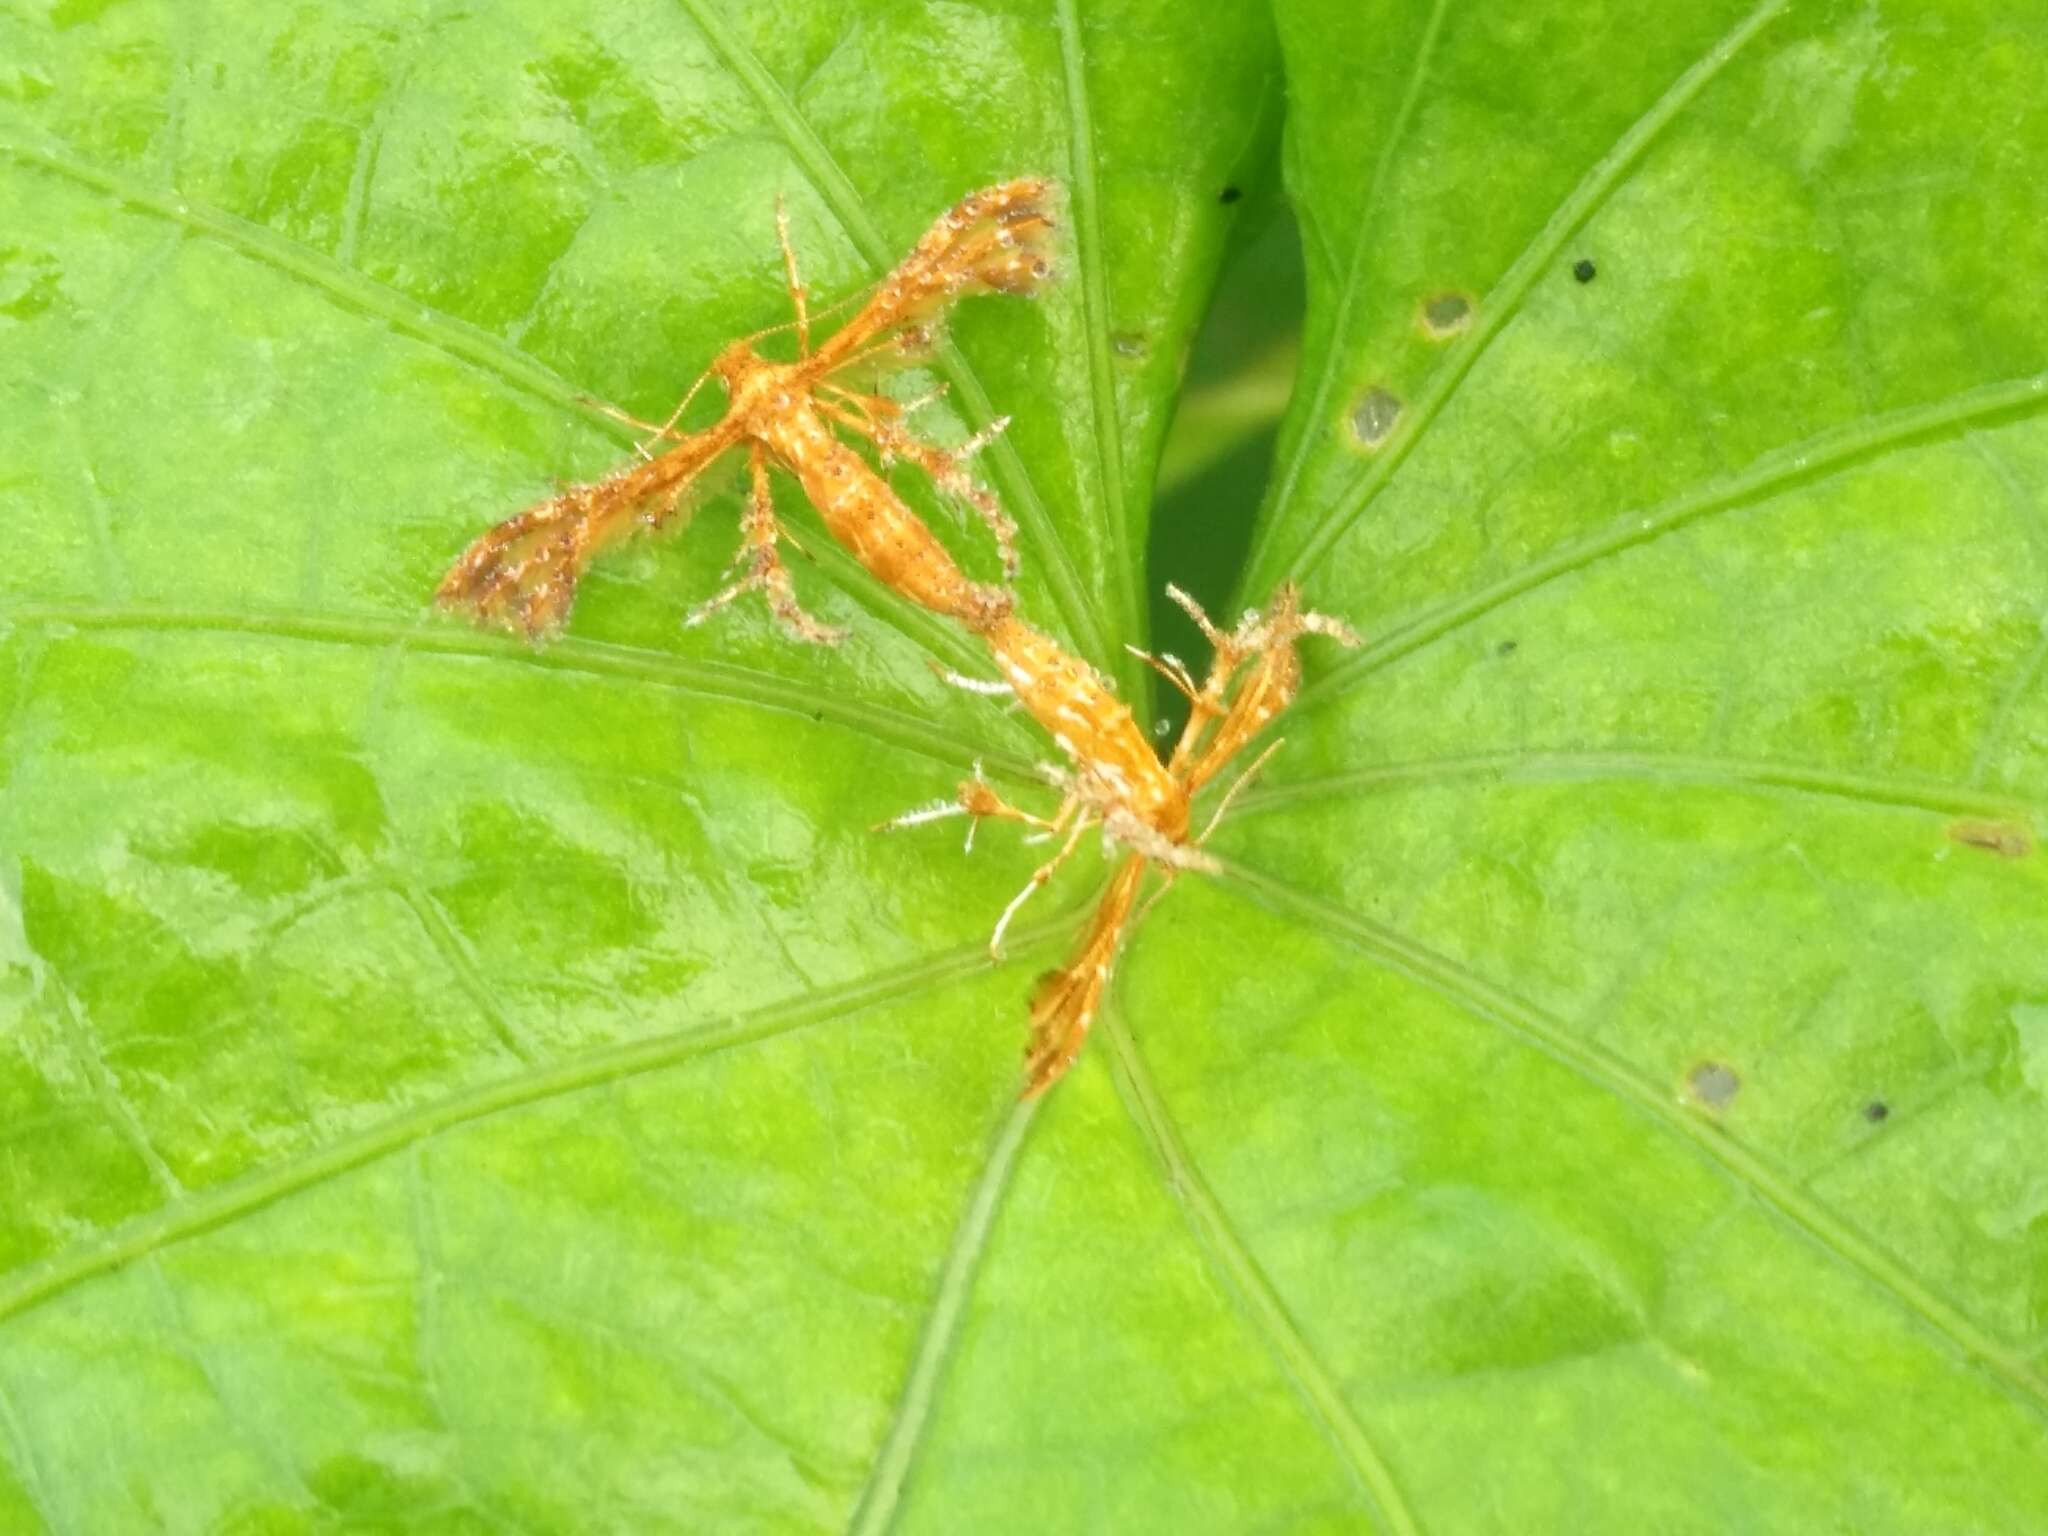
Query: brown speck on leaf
(2007, 839)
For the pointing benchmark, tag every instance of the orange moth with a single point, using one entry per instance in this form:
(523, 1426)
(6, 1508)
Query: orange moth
(1113, 780)
(523, 573)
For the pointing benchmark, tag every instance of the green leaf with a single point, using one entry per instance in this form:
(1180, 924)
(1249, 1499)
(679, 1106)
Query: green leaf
(1631, 1093)
(450, 1087)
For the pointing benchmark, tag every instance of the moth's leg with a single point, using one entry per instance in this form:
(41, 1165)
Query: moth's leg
(1039, 877)
(863, 414)
(977, 800)
(655, 430)
(797, 294)
(948, 472)
(765, 571)
(1237, 785)
(1170, 667)
(1330, 629)
(1218, 641)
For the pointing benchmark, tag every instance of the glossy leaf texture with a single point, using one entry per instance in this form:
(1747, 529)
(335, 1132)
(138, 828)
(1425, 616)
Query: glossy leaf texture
(451, 1086)
(1636, 1107)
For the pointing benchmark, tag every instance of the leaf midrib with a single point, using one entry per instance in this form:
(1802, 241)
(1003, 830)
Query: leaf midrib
(721, 681)
(224, 1204)
(1673, 769)
(1811, 461)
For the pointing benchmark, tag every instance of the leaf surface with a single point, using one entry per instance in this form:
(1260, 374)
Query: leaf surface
(1630, 1104)
(455, 1087)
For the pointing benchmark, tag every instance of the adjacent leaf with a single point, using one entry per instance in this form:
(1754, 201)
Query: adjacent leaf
(1626, 1108)
(447, 1086)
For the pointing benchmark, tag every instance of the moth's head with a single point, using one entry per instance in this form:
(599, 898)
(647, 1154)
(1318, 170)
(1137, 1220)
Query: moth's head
(737, 363)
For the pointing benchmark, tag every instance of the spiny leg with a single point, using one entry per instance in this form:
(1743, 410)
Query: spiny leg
(1039, 877)
(655, 430)
(1205, 704)
(1170, 667)
(764, 567)
(945, 468)
(797, 294)
(1218, 641)
(977, 800)
(1230, 794)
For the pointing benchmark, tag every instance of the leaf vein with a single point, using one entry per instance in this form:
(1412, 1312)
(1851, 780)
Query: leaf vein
(722, 681)
(454, 951)
(1515, 284)
(106, 1090)
(455, 338)
(211, 1209)
(1087, 204)
(875, 1511)
(1326, 377)
(1831, 1234)
(1811, 461)
(1245, 1280)
(1676, 768)
(839, 194)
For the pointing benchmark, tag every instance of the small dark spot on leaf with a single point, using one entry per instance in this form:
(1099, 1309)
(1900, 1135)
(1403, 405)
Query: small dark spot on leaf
(1507, 647)
(1584, 270)
(1444, 315)
(1374, 416)
(1876, 1110)
(2007, 839)
(1129, 344)
(1230, 194)
(1713, 1085)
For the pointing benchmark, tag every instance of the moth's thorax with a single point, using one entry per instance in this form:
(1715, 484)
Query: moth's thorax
(757, 390)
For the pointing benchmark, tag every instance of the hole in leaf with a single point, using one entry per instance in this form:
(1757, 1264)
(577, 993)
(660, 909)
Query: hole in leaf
(1713, 1084)
(1446, 314)
(1374, 416)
